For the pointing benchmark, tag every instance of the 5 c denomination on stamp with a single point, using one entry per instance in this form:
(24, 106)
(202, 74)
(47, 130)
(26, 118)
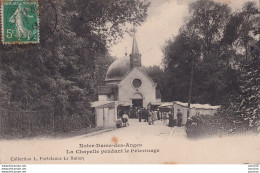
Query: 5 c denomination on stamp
(20, 22)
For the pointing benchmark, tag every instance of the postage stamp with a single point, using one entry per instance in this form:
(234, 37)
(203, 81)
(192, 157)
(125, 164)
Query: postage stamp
(20, 22)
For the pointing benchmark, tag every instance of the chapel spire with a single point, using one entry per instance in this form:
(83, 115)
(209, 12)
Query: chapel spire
(134, 46)
(135, 56)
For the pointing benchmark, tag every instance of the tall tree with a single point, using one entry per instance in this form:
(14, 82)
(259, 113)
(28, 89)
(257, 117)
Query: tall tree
(201, 38)
(178, 55)
(243, 29)
(242, 33)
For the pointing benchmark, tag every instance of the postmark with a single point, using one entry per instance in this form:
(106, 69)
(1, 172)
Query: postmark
(20, 22)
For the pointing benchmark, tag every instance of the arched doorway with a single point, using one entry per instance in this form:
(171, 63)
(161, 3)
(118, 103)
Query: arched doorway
(137, 100)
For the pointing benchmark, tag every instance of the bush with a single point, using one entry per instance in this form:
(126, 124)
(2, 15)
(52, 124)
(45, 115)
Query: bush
(218, 125)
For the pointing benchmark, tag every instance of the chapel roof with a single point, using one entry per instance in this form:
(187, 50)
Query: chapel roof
(118, 69)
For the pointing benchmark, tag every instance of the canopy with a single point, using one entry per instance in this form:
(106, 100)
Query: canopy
(102, 103)
(197, 106)
(124, 104)
(156, 103)
(166, 105)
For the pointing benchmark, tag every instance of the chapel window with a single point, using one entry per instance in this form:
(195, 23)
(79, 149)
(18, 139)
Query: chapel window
(137, 83)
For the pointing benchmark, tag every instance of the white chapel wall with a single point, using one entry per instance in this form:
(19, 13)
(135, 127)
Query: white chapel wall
(126, 90)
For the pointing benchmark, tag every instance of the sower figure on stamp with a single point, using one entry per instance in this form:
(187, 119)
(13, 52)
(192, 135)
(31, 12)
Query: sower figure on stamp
(17, 18)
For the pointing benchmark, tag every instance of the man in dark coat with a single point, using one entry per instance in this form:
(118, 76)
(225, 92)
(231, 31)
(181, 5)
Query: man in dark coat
(139, 114)
(120, 112)
(158, 114)
(145, 114)
(170, 118)
(179, 118)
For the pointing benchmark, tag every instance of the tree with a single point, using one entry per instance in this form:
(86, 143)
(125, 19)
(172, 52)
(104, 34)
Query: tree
(249, 101)
(158, 75)
(242, 29)
(178, 54)
(201, 38)
(244, 105)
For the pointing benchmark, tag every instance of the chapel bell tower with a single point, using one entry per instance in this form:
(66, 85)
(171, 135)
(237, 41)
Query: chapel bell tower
(135, 56)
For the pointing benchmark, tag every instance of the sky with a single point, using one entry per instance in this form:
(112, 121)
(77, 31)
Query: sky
(165, 17)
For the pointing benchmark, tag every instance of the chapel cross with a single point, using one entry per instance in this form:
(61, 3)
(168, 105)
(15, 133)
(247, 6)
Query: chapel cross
(134, 29)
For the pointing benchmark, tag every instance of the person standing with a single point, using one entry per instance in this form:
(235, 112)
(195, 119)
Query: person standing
(146, 112)
(153, 117)
(134, 113)
(120, 112)
(138, 113)
(125, 118)
(158, 114)
(131, 112)
(170, 118)
(150, 117)
(179, 118)
(142, 112)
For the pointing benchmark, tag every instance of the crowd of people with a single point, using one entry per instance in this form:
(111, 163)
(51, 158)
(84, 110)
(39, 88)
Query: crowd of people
(149, 116)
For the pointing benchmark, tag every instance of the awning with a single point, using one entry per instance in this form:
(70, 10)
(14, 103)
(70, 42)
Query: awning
(124, 104)
(102, 104)
(156, 103)
(166, 105)
(197, 106)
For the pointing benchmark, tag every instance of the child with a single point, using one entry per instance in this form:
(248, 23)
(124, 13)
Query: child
(125, 119)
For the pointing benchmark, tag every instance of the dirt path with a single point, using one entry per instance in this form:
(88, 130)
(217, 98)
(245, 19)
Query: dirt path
(178, 132)
(140, 143)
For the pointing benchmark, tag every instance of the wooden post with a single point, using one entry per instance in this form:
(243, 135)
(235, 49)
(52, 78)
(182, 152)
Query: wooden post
(190, 89)
(53, 122)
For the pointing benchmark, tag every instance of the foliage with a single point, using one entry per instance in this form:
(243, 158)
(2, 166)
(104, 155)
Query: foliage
(201, 39)
(158, 75)
(219, 125)
(242, 28)
(245, 104)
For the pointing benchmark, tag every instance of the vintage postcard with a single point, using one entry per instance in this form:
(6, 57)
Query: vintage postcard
(130, 82)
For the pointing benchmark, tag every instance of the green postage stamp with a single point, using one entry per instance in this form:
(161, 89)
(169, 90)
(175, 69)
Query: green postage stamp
(20, 23)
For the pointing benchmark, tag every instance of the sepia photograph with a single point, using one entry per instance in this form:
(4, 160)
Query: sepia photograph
(130, 82)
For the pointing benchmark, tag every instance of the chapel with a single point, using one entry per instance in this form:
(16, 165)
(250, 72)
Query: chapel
(128, 82)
